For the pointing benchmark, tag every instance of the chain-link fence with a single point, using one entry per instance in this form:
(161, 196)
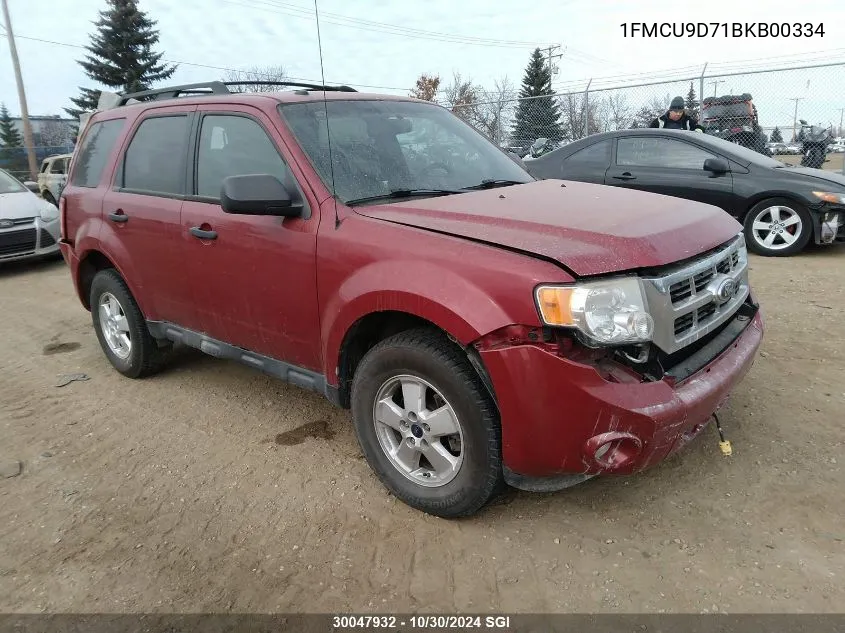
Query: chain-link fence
(763, 110)
(14, 159)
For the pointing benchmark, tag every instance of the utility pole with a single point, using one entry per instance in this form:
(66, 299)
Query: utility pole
(716, 83)
(27, 129)
(841, 111)
(795, 118)
(549, 56)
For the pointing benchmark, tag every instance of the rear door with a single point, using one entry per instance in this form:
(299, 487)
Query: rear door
(141, 213)
(671, 167)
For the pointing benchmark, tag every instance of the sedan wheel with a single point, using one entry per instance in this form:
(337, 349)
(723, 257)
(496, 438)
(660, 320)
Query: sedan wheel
(777, 227)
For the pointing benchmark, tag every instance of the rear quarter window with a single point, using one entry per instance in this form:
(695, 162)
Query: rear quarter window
(94, 152)
(595, 155)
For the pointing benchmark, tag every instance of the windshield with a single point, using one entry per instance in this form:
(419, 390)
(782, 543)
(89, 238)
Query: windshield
(10, 184)
(729, 110)
(378, 147)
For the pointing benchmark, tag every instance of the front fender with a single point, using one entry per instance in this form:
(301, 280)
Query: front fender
(424, 289)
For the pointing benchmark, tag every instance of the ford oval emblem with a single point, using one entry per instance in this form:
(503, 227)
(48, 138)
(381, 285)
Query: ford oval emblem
(726, 291)
(5, 224)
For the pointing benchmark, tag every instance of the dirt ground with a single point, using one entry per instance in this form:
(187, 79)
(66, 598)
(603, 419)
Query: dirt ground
(211, 488)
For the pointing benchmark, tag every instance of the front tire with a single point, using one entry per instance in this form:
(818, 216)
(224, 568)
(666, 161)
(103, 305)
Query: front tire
(121, 327)
(778, 227)
(426, 424)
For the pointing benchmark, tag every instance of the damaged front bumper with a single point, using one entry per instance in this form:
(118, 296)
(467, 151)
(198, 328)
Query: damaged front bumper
(564, 422)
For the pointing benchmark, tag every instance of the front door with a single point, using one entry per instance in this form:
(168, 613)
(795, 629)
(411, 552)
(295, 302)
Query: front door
(671, 167)
(255, 282)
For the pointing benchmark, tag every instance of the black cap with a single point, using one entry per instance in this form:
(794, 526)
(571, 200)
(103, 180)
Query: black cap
(677, 104)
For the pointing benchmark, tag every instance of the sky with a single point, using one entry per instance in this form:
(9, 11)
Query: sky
(484, 40)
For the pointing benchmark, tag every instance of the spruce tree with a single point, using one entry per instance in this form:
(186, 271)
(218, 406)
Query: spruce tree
(691, 102)
(121, 54)
(12, 155)
(777, 136)
(9, 135)
(537, 117)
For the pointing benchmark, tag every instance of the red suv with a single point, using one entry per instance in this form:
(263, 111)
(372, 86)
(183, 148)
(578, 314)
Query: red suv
(483, 328)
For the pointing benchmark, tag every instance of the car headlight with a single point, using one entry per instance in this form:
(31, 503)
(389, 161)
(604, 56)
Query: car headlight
(607, 312)
(829, 196)
(49, 212)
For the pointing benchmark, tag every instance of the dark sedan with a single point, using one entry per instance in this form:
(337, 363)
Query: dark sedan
(781, 206)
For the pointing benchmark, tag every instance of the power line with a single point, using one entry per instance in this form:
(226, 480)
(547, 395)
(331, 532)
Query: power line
(378, 27)
(209, 66)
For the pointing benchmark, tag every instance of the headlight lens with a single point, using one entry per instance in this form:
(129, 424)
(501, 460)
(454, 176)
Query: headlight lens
(829, 196)
(608, 312)
(49, 212)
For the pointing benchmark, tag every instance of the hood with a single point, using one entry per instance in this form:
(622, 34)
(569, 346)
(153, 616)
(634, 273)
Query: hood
(14, 206)
(590, 229)
(822, 175)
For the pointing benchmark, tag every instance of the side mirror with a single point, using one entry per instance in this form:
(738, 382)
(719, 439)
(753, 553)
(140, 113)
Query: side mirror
(716, 165)
(257, 194)
(32, 186)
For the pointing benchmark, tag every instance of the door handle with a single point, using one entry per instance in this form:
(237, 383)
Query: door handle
(202, 234)
(626, 176)
(118, 216)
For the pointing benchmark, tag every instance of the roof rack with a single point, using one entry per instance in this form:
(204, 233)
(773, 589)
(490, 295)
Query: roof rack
(215, 88)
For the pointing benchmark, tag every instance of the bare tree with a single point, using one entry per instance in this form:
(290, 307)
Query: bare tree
(495, 108)
(426, 87)
(54, 133)
(256, 73)
(651, 110)
(580, 115)
(615, 113)
(463, 98)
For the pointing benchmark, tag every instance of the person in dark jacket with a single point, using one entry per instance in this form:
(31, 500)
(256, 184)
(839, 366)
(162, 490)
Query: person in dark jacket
(676, 118)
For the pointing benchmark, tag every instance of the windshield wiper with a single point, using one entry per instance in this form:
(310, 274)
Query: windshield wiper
(489, 183)
(404, 193)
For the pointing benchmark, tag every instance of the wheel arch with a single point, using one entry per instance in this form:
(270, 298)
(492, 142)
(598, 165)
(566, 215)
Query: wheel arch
(370, 329)
(92, 262)
(760, 196)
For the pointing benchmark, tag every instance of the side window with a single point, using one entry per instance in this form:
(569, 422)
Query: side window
(155, 158)
(595, 155)
(94, 152)
(659, 152)
(234, 146)
(58, 166)
(44, 166)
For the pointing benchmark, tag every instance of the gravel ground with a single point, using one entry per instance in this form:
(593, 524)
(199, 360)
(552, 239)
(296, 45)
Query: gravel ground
(213, 488)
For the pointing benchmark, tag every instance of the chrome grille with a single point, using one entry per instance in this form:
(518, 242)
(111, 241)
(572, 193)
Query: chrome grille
(690, 300)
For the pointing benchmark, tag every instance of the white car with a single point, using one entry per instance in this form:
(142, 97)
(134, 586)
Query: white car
(29, 226)
(53, 176)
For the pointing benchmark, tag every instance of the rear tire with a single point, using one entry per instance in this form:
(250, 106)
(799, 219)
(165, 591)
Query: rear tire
(121, 327)
(463, 440)
(778, 227)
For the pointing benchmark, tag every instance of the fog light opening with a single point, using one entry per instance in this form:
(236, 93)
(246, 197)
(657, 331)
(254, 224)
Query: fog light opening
(612, 451)
(829, 227)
